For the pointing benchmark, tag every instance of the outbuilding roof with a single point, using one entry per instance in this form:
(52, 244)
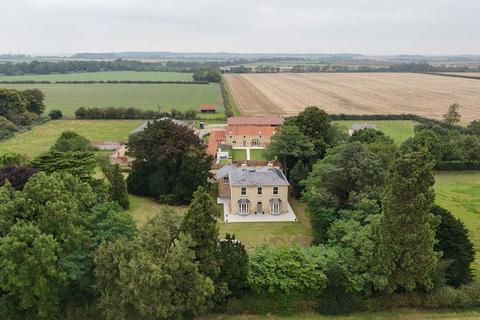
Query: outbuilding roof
(360, 126)
(256, 121)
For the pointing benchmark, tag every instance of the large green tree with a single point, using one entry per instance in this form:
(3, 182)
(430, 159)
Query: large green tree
(348, 174)
(72, 141)
(66, 210)
(314, 123)
(30, 276)
(12, 105)
(78, 163)
(170, 162)
(406, 240)
(289, 145)
(233, 260)
(152, 276)
(34, 99)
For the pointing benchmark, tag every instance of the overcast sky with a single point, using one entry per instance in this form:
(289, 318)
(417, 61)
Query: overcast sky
(290, 26)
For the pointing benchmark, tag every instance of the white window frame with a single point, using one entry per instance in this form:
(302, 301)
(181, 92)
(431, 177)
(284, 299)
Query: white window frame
(275, 190)
(275, 207)
(259, 191)
(243, 207)
(243, 191)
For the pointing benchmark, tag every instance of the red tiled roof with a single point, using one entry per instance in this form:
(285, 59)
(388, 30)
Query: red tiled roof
(250, 130)
(216, 136)
(259, 121)
(207, 107)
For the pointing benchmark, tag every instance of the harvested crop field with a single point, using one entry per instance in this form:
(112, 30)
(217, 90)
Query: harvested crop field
(355, 93)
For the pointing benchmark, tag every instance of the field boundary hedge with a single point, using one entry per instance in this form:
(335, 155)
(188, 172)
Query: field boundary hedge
(101, 82)
(452, 75)
(403, 116)
(231, 108)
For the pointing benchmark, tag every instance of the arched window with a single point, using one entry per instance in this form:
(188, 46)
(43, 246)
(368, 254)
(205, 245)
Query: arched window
(275, 206)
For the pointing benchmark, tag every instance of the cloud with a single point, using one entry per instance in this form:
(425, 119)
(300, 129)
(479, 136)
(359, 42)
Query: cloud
(364, 26)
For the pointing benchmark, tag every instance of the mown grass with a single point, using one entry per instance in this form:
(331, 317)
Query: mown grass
(403, 314)
(257, 154)
(459, 192)
(239, 154)
(69, 97)
(251, 234)
(33, 142)
(104, 76)
(398, 130)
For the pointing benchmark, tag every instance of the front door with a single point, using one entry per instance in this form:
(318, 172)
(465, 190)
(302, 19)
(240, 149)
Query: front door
(259, 207)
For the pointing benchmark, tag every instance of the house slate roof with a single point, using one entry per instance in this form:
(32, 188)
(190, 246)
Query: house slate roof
(360, 126)
(223, 171)
(257, 121)
(264, 176)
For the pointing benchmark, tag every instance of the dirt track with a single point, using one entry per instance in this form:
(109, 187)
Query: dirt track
(355, 93)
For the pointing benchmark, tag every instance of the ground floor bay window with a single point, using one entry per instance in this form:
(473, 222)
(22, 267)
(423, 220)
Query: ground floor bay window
(275, 206)
(243, 205)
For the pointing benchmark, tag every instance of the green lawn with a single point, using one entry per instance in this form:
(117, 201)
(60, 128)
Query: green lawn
(106, 75)
(239, 154)
(398, 130)
(251, 234)
(403, 314)
(257, 154)
(70, 97)
(42, 137)
(459, 192)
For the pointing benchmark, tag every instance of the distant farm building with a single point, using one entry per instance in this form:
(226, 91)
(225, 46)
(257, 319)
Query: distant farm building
(360, 126)
(207, 108)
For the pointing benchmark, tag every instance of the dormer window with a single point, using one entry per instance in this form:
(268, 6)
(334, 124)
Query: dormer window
(225, 179)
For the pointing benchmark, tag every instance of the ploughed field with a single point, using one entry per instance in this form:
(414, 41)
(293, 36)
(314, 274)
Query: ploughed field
(354, 93)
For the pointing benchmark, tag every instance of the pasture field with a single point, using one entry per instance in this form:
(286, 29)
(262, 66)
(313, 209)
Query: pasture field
(403, 314)
(354, 93)
(104, 76)
(33, 142)
(398, 130)
(70, 97)
(459, 192)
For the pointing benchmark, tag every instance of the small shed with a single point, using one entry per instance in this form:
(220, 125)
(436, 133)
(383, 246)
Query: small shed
(360, 126)
(207, 108)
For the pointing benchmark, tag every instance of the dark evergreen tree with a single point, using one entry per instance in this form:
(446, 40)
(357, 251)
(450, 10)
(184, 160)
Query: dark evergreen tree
(118, 186)
(233, 260)
(455, 246)
(406, 252)
(34, 99)
(298, 173)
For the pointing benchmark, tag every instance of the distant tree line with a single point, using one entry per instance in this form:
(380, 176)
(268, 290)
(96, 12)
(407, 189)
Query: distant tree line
(132, 113)
(207, 75)
(402, 67)
(100, 82)
(72, 66)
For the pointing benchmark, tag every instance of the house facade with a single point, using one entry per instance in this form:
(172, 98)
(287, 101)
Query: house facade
(253, 191)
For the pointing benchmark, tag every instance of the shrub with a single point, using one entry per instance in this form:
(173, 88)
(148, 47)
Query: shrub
(55, 114)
